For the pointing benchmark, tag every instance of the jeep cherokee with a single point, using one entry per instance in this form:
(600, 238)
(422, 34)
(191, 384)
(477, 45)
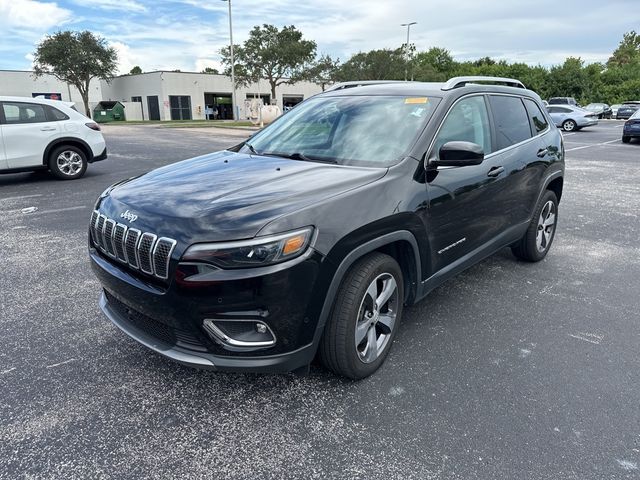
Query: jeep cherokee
(309, 238)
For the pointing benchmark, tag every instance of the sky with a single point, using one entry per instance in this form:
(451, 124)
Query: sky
(188, 34)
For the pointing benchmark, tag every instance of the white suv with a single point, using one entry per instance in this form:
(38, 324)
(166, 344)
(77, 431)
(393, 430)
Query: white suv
(39, 134)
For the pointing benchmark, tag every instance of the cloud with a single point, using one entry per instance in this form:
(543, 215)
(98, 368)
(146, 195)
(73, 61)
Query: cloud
(125, 5)
(31, 15)
(188, 34)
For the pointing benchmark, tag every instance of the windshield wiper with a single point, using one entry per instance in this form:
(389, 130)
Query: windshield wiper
(250, 147)
(300, 156)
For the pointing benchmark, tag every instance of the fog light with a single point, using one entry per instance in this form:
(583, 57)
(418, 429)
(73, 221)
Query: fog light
(240, 334)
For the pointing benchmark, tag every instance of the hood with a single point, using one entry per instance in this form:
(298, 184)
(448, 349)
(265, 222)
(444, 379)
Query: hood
(226, 195)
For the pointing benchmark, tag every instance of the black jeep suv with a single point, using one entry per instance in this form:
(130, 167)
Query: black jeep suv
(310, 237)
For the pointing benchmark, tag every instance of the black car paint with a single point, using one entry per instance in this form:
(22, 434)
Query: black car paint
(415, 211)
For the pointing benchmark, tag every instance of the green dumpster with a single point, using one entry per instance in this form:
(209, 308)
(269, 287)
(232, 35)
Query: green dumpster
(108, 111)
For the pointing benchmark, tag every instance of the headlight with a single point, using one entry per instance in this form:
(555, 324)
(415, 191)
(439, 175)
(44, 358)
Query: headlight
(257, 252)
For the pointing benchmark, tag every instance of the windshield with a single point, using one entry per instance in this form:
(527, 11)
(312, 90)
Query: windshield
(374, 131)
(635, 116)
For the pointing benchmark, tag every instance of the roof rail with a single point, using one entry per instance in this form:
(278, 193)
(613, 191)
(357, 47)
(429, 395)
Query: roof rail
(457, 82)
(360, 83)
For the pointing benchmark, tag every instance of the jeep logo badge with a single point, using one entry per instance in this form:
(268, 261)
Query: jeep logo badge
(131, 217)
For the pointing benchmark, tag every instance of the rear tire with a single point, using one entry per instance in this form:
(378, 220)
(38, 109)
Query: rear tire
(360, 330)
(68, 162)
(537, 240)
(626, 139)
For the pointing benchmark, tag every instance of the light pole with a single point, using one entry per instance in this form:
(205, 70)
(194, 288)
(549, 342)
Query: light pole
(406, 67)
(233, 73)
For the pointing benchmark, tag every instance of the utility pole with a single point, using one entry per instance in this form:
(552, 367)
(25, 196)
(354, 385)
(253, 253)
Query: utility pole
(233, 73)
(406, 67)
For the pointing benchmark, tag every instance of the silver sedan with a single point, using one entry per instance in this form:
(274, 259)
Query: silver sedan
(571, 118)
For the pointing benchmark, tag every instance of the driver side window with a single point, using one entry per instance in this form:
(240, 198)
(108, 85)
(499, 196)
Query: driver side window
(468, 121)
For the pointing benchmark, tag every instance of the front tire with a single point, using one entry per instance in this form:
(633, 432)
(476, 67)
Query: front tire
(68, 162)
(626, 139)
(537, 240)
(365, 317)
(569, 126)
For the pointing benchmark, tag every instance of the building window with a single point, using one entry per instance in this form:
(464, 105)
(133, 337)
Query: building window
(180, 107)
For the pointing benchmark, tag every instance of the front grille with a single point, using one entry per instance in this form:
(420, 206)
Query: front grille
(161, 331)
(140, 250)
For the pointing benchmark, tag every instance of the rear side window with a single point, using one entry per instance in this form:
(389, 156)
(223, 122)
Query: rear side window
(537, 118)
(511, 120)
(23, 112)
(55, 115)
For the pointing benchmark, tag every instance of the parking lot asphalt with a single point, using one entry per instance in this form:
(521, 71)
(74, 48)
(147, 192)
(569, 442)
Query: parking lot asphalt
(511, 370)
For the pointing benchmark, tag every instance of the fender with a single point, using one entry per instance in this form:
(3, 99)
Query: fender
(67, 140)
(545, 183)
(350, 259)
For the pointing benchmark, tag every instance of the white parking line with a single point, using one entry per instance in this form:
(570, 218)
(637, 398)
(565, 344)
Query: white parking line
(21, 197)
(592, 145)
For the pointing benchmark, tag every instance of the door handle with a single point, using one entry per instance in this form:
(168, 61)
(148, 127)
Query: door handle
(48, 129)
(495, 171)
(542, 152)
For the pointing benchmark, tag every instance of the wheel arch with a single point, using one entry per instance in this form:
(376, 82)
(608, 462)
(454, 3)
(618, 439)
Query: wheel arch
(555, 185)
(73, 141)
(404, 245)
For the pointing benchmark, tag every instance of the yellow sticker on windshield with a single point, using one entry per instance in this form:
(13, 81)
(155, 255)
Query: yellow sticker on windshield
(415, 100)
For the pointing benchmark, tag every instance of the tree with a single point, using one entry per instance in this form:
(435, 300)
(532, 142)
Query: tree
(135, 70)
(434, 65)
(384, 64)
(628, 52)
(76, 58)
(213, 71)
(323, 71)
(280, 56)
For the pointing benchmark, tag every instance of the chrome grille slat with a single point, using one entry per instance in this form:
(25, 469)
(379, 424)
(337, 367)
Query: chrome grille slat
(131, 247)
(145, 249)
(118, 242)
(99, 231)
(109, 225)
(140, 250)
(162, 256)
(92, 226)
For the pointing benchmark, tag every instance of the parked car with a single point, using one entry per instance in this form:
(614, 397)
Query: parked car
(627, 109)
(614, 110)
(571, 118)
(47, 134)
(563, 101)
(631, 128)
(312, 235)
(601, 109)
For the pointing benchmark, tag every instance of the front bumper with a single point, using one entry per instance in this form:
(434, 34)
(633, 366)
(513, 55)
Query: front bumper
(169, 318)
(282, 363)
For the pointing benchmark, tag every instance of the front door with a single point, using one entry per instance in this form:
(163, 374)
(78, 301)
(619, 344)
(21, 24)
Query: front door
(154, 107)
(465, 205)
(26, 133)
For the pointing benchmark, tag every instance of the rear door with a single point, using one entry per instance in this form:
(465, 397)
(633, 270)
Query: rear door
(26, 133)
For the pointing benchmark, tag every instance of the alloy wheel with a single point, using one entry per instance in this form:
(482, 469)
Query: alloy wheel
(546, 226)
(376, 317)
(569, 126)
(69, 162)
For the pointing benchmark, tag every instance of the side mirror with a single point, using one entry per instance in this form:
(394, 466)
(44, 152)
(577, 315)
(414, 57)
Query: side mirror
(459, 154)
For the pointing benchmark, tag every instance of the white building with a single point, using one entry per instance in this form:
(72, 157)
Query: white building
(162, 95)
(22, 83)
